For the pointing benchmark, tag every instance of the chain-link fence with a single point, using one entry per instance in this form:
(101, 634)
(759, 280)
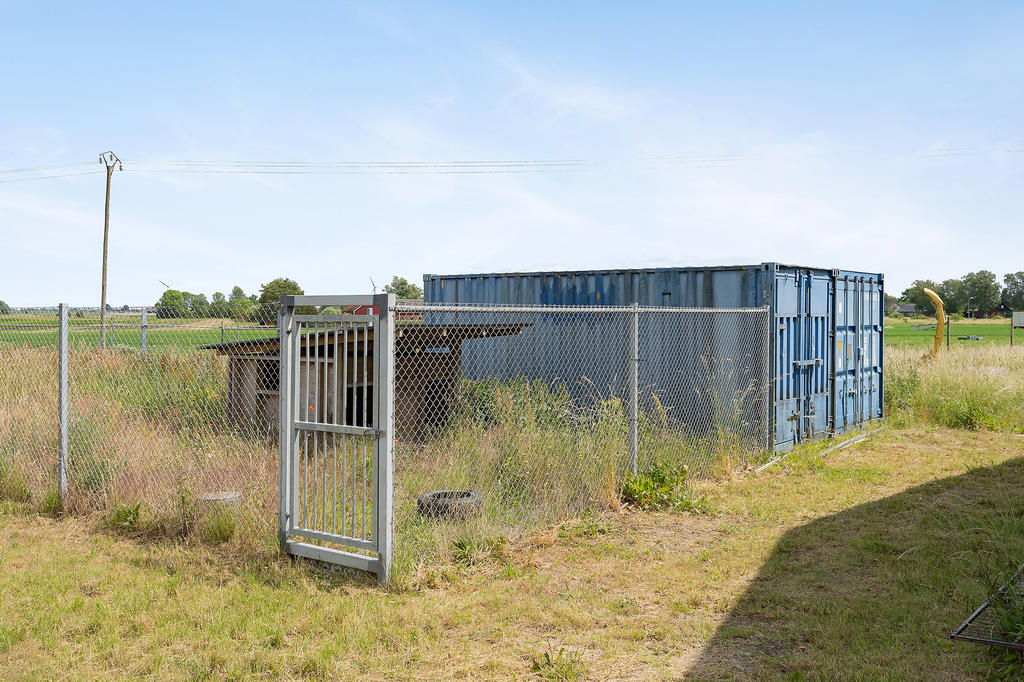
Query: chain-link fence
(151, 435)
(507, 417)
(511, 416)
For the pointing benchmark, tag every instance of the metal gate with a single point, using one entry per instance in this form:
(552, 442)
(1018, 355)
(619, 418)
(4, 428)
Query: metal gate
(336, 430)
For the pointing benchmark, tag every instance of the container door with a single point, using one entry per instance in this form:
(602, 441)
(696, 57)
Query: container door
(803, 304)
(858, 349)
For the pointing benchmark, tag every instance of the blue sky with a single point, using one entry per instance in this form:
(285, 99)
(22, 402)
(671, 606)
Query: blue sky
(868, 137)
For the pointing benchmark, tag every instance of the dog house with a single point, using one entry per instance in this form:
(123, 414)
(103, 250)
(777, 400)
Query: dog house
(428, 372)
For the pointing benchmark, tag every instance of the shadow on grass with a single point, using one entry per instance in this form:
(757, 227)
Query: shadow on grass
(874, 591)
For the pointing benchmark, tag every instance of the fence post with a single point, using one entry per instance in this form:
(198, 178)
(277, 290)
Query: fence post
(634, 380)
(145, 329)
(384, 421)
(62, 401)
(286, 365)
(222, 329)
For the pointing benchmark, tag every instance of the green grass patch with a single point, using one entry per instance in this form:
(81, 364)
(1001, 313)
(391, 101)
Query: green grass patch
(662, 487)
(914, 333)
(560, 666)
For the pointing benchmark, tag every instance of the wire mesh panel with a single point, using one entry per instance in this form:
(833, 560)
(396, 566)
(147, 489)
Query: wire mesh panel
(28, 403)
(509, 416)
(702, 387)
(172, 421)
(175, 415)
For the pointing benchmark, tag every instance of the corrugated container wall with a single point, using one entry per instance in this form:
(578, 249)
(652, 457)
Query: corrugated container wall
(827, 326)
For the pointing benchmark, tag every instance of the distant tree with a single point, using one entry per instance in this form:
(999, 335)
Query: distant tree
(237, 294)
(242, 309)
(981, 292)
(270, 297)
(891, 304)
(951, 291)
(915, 294)
(1013, 290)
(196, 304)
(171, 304)
(403, 288)
(219, 306)
(4, 308)
(272, 291)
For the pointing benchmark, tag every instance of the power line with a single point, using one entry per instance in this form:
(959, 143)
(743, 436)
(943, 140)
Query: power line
(483, 171)
(52, 177)
(418, 167)
(35, 169)
(369, 163)
(430, 167)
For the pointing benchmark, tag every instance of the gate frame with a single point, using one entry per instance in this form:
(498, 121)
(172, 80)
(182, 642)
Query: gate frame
(383, 447)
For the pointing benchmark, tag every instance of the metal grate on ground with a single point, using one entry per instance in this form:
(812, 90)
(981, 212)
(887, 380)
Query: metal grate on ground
(982, 626)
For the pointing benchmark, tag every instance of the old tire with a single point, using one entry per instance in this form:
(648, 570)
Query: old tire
(450, 504)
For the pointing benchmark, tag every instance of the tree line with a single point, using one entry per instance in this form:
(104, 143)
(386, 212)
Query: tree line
(977, 293)
(260, 308)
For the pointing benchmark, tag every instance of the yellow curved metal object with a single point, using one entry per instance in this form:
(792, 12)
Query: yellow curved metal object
(940, 320)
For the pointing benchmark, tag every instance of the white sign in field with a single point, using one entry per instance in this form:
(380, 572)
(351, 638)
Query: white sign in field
(1018, 319)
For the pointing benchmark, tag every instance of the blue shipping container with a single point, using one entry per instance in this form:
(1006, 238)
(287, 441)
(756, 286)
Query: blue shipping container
(826, 346)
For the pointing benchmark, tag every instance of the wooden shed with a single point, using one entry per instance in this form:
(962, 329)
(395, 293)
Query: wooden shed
(428, 370)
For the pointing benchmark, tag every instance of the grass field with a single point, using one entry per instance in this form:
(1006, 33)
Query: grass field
(852, 565)
(161, 334)
(901, 333)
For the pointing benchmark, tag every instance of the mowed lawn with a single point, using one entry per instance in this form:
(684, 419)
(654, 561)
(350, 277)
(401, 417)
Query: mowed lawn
(910, 332)
(161, 335)
(855, 564)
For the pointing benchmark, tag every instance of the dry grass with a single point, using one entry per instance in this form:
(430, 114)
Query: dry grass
(970, 388)
(857, 564)
(154, 432)
(147, 431)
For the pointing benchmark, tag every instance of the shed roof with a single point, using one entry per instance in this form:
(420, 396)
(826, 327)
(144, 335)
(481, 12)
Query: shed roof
(406, 335)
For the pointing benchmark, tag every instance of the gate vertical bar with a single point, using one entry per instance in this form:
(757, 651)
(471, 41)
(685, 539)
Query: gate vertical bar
(634, 381)
(284, 448)
(294, 340)
(384, 416)
(62, 402)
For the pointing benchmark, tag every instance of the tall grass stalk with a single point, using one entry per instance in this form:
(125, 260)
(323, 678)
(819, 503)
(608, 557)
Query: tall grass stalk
(977, 388)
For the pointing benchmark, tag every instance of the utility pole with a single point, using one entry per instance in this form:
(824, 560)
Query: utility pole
(110, 160)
